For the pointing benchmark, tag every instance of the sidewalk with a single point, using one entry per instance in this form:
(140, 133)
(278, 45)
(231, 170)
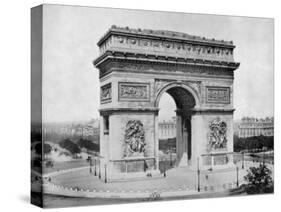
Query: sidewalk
(78, 182)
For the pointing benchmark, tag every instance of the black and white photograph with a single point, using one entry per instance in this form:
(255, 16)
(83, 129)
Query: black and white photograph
(132, 106)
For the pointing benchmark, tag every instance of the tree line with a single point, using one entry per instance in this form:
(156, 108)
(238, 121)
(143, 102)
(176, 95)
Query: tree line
(75, 148)
(71, 146)
(253, 144)
(167, 144)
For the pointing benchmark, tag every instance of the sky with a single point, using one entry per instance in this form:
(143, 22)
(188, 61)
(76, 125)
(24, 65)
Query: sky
(71, 82)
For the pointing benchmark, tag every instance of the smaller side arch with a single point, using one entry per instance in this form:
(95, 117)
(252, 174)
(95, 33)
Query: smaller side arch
(173, 85)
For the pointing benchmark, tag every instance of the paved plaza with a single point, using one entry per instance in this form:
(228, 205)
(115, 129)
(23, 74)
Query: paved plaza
(178, 181)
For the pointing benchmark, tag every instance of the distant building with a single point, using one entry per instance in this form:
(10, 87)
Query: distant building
(167, 129)
(249, 127)
(83, 129)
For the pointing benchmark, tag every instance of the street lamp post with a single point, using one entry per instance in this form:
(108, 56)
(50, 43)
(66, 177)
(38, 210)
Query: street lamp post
(242, 160)
(91, 164)
(198, 175)
(165, 167)
(99, 170)
(171, 162)
(105, 175)
(95, 167)
(237, 176)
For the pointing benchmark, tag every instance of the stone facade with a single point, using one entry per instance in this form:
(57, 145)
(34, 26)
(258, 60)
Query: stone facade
(249, 127)
(167, 129)
(136, 67)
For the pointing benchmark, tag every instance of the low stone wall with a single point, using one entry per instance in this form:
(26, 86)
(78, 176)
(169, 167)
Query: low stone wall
(51, 188)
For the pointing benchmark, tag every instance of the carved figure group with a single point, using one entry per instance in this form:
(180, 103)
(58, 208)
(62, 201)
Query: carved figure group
(105, 92)
(217, 138)
(134, 138)
(133, 91)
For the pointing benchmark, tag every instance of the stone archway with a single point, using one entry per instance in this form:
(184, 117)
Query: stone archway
(170, 86)
(135, 68)
(186, 100)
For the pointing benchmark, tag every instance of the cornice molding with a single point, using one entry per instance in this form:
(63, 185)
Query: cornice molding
(124, 56)
(212, 111)
(155, 110)
(109, 111)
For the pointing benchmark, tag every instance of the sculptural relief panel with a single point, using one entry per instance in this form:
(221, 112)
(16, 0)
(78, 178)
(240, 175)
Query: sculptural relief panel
(106, 93)
(134, 139)
(217, 94)
(144, 42)
(131, 91)
(217, 134)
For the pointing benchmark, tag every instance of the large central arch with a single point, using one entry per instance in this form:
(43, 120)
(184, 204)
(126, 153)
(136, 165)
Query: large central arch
(186, 100)
(177, 85)
(136, 67)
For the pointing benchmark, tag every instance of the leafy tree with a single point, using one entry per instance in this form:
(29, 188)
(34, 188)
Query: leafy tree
(256, 143)
(70, 146)
(259, 180)
(37, 162)
(38, 148)
(167, 144)
(96, 138)
(87, 144)
(36, 136)
(47, 148)
(49, 163)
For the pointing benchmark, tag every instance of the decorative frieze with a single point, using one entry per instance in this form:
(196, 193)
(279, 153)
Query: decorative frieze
(144, 42)
(105, 94)
(182, 49)
(178, 66)
(173, 50)
(131, 91)
(218, 94)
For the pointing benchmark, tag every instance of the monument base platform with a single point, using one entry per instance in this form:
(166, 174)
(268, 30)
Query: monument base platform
(131, 176)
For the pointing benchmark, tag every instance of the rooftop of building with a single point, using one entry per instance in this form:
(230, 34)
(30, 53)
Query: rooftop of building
(164, 34)
(257, 120)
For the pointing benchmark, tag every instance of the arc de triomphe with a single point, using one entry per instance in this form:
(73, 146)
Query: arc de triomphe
(136, 67)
